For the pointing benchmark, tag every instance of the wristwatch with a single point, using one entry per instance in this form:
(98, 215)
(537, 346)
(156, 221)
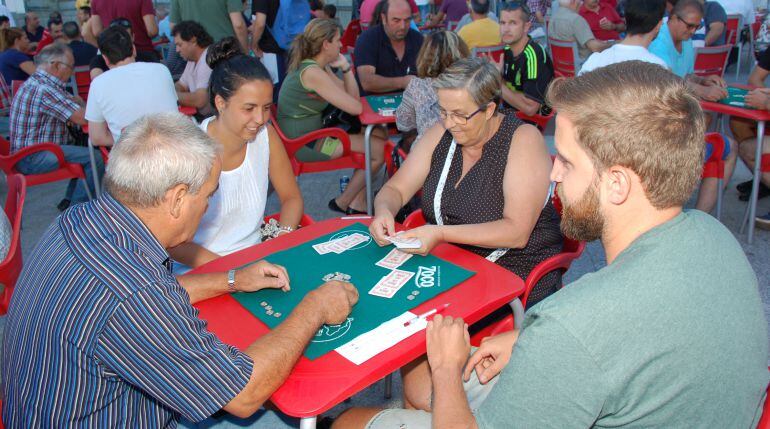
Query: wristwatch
(231, 281)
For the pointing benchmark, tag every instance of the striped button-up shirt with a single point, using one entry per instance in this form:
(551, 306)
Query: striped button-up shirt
(40, 111)
(100, 334)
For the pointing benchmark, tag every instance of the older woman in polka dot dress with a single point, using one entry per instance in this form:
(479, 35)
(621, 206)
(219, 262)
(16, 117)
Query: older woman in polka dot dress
(485, 183)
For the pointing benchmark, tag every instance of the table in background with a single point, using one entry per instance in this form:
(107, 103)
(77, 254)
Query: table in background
(318, 385)
(761, 117)
(371, 118)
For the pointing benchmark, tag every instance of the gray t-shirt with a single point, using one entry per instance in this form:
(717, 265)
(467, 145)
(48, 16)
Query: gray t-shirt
(567, 25)
(671, 334)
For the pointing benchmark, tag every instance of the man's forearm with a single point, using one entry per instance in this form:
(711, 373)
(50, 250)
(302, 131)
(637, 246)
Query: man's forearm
(520, 101)
(201, 287)
(275, 353)
(377, 83)
(450, 405)
(256, 35)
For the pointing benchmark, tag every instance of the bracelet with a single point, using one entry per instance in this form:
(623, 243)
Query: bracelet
(283, 230)
(347, 70)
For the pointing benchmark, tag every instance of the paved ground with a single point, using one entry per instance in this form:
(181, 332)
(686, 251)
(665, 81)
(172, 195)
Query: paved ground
(40, 210)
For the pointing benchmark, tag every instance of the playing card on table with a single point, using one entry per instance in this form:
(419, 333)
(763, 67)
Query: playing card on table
(391, 283)
(351, 240)
(393, 260)
(329, 246)
(405, 243)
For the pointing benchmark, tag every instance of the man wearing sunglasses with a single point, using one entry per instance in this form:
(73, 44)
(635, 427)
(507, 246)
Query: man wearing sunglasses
(674, 46)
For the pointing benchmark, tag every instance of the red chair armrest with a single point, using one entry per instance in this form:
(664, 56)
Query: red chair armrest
(293, 145)
(38, 148)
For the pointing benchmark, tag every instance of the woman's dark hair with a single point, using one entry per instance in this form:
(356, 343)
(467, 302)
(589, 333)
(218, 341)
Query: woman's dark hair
(231, 68)
(379, 10)
(9, 36)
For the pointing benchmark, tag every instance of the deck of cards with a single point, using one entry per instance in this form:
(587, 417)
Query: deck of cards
(339, 245)
(404, 243)
(391, 283)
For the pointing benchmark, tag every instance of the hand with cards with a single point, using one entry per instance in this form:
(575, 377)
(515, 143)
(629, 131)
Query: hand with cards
(383, 226)
(426, 237)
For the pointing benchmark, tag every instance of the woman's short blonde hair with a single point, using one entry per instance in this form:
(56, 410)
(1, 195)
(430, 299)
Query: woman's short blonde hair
(642, 117)
(439, 51)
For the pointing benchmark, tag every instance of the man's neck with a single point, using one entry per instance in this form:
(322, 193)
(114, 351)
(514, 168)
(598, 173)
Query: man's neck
(642, 40)
(476, 16)
(126, 61)
(150, 219)
(620, 233)
(31, 29)
(197, 54)
(519, 46)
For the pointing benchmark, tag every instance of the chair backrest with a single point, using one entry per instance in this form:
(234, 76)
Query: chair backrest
(5, 97)
(733, 28)
(81, 81)
(715, 165)
(764, 421)
(350, 35)
(496, 51)
(15, 85)
(5, 147)
(712, 60)
(10, 267)
(540, 121)
(566, 61)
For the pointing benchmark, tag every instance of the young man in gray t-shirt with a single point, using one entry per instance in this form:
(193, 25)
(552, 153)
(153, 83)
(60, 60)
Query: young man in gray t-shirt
(671, 333)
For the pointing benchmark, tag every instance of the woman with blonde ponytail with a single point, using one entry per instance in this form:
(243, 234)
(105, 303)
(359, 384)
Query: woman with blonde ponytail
(310, 87)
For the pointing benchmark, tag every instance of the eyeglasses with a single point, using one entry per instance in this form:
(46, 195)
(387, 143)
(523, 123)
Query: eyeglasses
(458, 118)
(123, 22)
(690, 26)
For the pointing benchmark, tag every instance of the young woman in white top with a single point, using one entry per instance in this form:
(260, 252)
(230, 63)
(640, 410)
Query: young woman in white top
(252, 153)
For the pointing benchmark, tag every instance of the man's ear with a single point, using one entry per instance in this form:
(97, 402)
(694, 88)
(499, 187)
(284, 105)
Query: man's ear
(176, 198)
(618, 182)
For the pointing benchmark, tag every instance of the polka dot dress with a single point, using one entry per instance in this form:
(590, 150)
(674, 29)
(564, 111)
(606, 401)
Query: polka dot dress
(478, 198)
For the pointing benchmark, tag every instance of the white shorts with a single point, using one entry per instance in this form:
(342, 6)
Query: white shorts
(397, 418)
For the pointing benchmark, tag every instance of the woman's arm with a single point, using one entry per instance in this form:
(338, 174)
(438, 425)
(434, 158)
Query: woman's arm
(316, 79)
(525, 186)
(28, 67)
(191, 254)
(284, 182)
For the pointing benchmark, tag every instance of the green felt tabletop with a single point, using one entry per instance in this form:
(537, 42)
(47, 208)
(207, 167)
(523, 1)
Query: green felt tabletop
(735, 97)
(384, 101)
(307, 268)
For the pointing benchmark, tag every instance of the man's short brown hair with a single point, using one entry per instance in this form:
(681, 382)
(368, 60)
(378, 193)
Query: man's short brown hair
(642, 117)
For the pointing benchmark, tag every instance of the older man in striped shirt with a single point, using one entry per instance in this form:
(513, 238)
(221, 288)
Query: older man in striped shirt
(101, 334)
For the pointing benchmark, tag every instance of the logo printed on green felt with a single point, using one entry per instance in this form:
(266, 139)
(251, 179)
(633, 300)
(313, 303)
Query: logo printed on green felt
(427, 276)
(332, 332)
(345, 233)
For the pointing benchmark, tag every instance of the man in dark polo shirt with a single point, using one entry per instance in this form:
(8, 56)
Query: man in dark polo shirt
(386, 54)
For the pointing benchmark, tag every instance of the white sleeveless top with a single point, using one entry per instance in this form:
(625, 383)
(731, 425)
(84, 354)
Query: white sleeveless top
(237, 208)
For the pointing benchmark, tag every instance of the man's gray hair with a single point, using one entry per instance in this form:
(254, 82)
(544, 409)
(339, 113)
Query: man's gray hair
(478, 76)
(156, 153)
(52, 53)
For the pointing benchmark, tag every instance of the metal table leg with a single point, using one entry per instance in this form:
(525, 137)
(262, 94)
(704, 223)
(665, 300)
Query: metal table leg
(752, 209)
(307, 423)
(368, 161)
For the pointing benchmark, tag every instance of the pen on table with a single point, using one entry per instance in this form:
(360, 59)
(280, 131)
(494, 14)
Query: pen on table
(426, 314)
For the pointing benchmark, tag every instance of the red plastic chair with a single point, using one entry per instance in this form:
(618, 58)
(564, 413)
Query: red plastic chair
(66, 170)
(15, 85)
(305, 221)
(764, 421)
(733, 37)
(714, 167)
(540, 121)
(80, 81)
(350, 35)
(496, 51)
(349, 159)
(390, 165)
(566, 61)
(10, 267)
(712, 60)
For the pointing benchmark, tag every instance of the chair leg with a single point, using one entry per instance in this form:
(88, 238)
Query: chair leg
(720, 191)
(307, 423)
(745, 220)
(389, 386)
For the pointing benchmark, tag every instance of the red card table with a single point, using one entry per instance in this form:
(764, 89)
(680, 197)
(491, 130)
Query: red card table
(371, 119)
(316, 386)
(761, 117)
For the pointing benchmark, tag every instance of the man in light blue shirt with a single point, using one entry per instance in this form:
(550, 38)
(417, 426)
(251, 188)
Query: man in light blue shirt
(674, 46)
